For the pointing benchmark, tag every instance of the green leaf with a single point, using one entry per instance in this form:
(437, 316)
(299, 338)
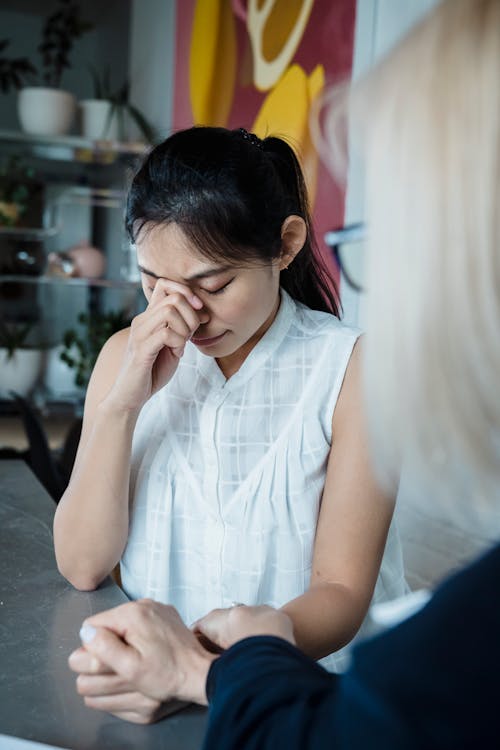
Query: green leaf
(145, 128)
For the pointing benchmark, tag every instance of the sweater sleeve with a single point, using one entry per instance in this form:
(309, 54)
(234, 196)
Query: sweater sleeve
(264, 693)
(431, 682)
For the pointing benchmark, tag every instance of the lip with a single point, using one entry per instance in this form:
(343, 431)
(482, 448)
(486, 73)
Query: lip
(207, 341)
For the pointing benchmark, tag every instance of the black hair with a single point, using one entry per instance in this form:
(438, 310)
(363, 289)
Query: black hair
(230, 193)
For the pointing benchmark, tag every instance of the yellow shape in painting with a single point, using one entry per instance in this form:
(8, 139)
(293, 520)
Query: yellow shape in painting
(275, 28)
(285, 112)
(212, 62)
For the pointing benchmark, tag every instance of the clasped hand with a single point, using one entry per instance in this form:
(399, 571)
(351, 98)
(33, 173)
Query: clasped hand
(140, 655)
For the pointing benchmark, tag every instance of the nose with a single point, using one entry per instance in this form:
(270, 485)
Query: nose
(204, 316)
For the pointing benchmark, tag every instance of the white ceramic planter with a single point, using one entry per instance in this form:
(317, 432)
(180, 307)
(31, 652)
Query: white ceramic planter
(45, 111)
(20, 372)
(97, 121)
(58, 377)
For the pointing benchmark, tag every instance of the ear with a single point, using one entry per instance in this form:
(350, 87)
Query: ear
(293, 237)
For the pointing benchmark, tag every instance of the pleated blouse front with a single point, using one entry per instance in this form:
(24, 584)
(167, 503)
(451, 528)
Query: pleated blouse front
(227, 475)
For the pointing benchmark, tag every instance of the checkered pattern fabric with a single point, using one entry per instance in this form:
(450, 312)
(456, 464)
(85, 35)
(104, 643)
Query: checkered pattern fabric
(227, 475)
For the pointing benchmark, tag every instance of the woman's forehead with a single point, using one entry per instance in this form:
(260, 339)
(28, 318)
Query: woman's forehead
(164, 251)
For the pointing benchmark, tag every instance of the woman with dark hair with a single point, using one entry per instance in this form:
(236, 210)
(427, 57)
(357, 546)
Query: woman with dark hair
(230, 411)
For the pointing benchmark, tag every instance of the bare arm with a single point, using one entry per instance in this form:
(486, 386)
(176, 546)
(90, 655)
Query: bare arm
(91, 521)
(351, 534)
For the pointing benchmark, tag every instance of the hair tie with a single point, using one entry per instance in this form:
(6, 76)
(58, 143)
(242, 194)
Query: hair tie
(251, 137)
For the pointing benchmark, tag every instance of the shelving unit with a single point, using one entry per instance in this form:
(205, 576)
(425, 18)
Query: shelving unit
(85, 191)
(72, 148)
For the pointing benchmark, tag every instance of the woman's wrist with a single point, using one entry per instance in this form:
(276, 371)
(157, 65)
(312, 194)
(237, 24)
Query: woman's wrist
(113, 408)
(193, 680)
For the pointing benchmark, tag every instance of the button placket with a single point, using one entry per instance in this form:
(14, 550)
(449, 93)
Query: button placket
(208, 427)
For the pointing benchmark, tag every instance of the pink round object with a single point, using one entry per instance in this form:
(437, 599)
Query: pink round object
(89, 262)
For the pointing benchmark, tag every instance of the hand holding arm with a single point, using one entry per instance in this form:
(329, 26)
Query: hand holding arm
(104, 690)
(149, 650)
(224, 627)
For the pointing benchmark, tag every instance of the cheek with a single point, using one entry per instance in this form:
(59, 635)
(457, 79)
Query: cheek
(251, 308)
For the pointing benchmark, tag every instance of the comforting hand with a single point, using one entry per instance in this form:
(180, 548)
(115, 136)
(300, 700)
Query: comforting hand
(143, 656)
(156, 342)
(223, 627)
(106, 691)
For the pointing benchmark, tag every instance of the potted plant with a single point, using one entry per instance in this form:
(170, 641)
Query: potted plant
(105, 115)
(20, 363)
(21, 218)
(14, 71)
(21, 194)
(46, 109)
(80, 350)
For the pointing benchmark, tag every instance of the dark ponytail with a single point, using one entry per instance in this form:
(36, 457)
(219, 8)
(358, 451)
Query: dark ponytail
(230, 193)
(307, 279)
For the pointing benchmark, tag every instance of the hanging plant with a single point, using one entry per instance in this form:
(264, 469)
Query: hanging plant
(13, 71)
(59, 33)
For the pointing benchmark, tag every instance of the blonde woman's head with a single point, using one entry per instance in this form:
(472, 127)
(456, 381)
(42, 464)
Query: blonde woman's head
(430, 116)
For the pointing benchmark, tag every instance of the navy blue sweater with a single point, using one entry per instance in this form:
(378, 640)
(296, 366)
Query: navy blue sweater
(431, 682)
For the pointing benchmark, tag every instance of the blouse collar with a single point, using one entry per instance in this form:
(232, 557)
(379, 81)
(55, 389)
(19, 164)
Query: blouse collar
(262, 350)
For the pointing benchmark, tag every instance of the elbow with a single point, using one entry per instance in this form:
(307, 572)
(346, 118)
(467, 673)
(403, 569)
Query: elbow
(75, 564)
(83, 584)
(80, 579)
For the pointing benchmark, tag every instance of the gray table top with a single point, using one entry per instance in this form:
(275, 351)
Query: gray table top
(40, 615)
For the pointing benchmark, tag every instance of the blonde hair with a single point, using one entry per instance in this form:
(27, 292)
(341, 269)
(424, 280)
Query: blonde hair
(431, 120)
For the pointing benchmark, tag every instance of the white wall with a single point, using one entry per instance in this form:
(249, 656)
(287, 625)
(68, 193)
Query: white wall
(151, 62)
(379, 25)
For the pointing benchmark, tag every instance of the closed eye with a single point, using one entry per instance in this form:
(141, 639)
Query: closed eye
(220, 289)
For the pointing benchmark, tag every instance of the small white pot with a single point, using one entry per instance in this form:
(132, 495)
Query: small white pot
(58, 377)
(97, 121)
(45, 111)
(20, 372)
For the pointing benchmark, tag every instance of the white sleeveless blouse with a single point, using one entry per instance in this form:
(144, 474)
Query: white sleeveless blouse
(227, 475)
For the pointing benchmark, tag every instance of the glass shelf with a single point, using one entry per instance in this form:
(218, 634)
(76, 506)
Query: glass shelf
(87, 196)
(29, 233)
(74, 148)
(51, 227)
(69, 281)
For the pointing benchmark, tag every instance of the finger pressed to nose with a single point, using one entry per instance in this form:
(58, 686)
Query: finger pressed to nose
(175, 310)
(165, 287)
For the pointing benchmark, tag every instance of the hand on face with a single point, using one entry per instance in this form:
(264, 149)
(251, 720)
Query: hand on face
(138, 656)
(156, 342)
(224, 627)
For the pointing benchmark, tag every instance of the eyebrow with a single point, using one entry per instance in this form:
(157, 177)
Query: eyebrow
(193, 277)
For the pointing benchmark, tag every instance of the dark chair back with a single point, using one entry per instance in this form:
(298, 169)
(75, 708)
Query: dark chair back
(39, 457)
